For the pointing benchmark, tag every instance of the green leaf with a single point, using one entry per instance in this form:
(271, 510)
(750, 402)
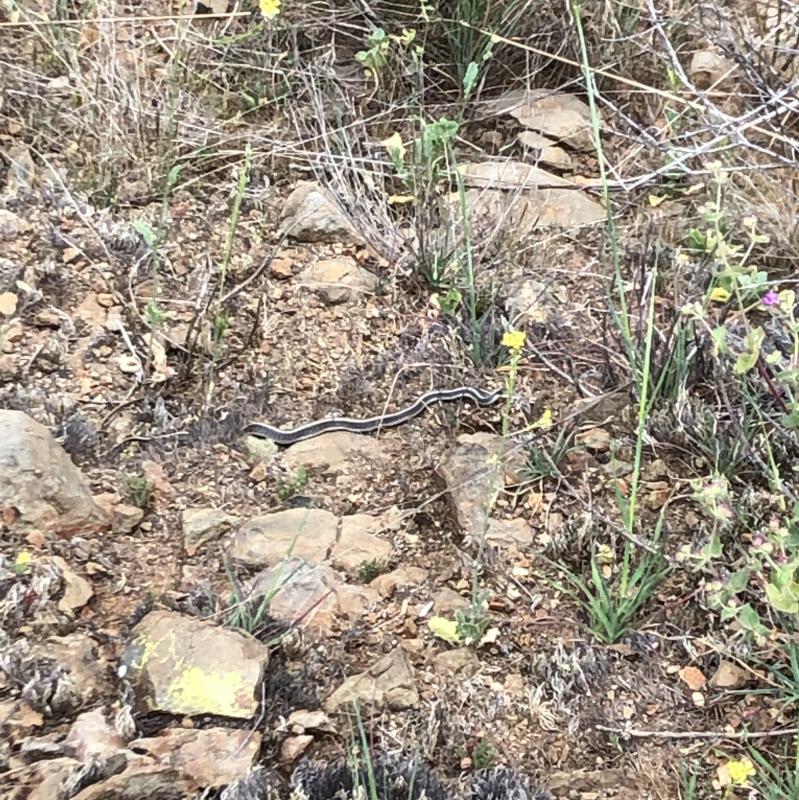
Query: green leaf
(470, 78)
(750, 620)
(785, 599)
(752, 342)
(147, 233)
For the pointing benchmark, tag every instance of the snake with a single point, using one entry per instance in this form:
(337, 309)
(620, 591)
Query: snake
(283, 436)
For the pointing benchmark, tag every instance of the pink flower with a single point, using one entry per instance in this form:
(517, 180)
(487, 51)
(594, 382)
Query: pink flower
(771, 298)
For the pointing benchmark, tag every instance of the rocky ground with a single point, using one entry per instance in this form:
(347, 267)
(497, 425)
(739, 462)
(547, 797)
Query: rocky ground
(186, 609)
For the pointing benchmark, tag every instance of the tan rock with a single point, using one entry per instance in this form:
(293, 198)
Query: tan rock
(200, 525)
(293, 747)
(207, 757)
(310, 214)
(93, 734)
(390, 682)
(461, 661)
(729, 676)
(335, 452)
(388, 583)
(307, 533)
(39, 481)
(357, 544)
(339, 280)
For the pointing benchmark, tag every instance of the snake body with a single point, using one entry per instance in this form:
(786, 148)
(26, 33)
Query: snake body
(371, 424)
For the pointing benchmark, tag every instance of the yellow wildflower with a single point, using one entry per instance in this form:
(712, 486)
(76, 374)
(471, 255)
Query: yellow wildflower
(269, 8)
(740, 771)
(513, 340)
(719, 295)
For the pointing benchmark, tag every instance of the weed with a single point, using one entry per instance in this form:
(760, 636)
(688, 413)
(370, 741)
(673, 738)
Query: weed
(369, 570)
(776, 781)
(139, 488)
(613, 604)
(288, 487)
(483, 755)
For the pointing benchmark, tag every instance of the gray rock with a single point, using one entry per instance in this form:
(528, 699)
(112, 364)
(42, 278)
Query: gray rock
(200, 525)
(312, 215)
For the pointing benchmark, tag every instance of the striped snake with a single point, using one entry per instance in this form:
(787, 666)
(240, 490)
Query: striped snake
(371, 424)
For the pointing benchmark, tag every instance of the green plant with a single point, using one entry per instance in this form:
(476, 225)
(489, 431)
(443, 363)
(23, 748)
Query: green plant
(483, 755)
(688, 781)
(612, 602)
(472, 622)
(288, 487)
(369, 570)
(139, 488)
(777, 781)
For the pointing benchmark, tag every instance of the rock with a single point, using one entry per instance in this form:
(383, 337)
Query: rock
(139, 782)
(183, 665)
(48, 777)
(200, 525)
(19, 717)
(447, 600)
(357, 544)
(301, 721)
(524, 212)
(400, 578)
(314, 596)
(558, 115)
(38, 748)
(461, 661)
(546, 151)
(38, 480)
(77, 591)
(596, 439)
(93, 734)
(709, 68)
(532, 301)
(293, 747)
(307, 533)
(474, 475)
(729, 676)
(510, 532)
(336, 452)
(125, 518)
(82, 676)
(338, 280)
(390, 682)
(510, 174)
(206, 757)
(312, 215)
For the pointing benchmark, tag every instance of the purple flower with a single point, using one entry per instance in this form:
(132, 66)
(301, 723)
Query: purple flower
(771, 298)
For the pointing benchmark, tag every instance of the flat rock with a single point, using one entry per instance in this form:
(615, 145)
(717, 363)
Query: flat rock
(200, 525)
(314, 596)
(527, 211)
(335, 452)
(293, 747)
(207, 757)
(560, 116)
(301, 720)
(39, 482)
(338, 280)
(182, 665)
(306, 533)
(729, 676)
(125, 518)
(546, 151)
(400, 578)
(447, 600)
(310, 214)
(48, 777)
(389, 682)
(77, 590)
(358, 544)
